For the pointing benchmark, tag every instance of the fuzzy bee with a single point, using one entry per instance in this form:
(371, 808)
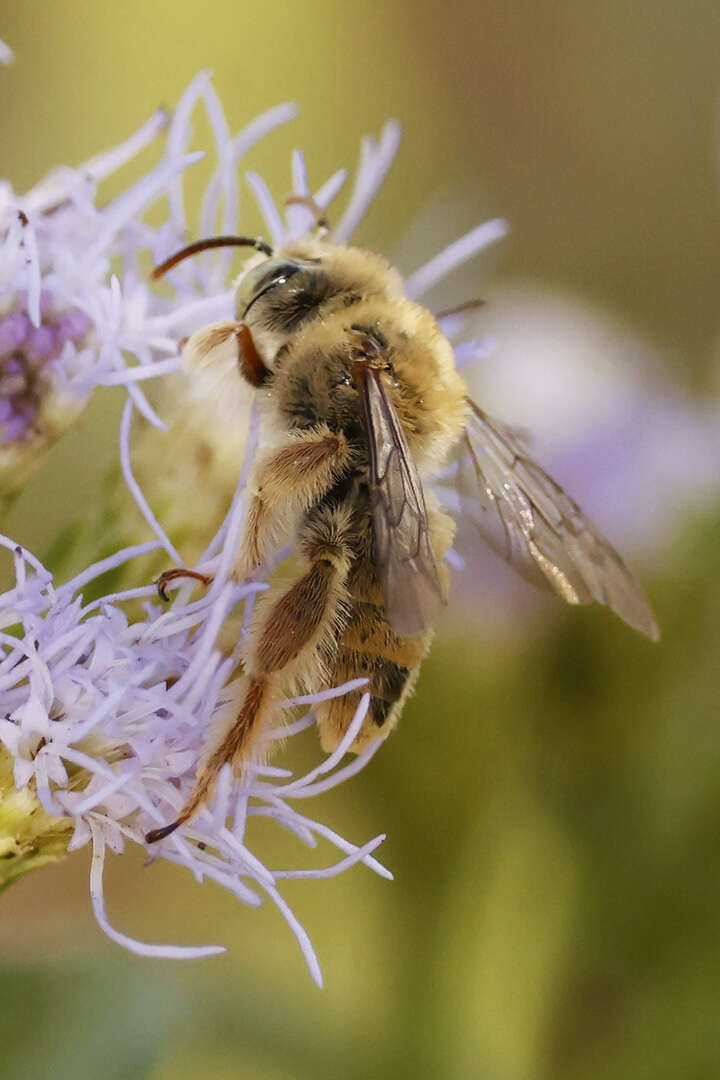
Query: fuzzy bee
(360, 401)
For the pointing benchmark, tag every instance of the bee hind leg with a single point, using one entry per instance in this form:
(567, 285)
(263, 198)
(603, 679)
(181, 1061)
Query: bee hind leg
(309, 614)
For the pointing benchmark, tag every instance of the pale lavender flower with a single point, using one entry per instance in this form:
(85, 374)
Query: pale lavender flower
(106, 718)
(59, 313)
(67, 324)
(603, 412)
(106, 712)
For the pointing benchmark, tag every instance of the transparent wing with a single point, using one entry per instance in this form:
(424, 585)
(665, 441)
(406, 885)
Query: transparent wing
(414, 594)
(528, 519)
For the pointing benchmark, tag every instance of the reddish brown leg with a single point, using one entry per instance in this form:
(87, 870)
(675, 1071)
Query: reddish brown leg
(469, 305)
(228, 750)
(251, 363)
(212, 343)
(317, 211)
(310, 612)
(179, 572)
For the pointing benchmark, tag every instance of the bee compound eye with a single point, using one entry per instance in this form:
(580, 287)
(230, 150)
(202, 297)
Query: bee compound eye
(260, 279)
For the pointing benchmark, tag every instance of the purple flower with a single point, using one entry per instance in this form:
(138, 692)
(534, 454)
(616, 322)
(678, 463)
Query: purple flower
(106, 718)
(67, 323)
(603, 416)
(597, 410)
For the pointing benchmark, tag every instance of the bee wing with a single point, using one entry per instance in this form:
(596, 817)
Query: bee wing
(413, 592)
(528, 519)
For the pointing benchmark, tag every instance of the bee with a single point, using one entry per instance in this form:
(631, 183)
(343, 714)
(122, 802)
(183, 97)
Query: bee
(360, 402)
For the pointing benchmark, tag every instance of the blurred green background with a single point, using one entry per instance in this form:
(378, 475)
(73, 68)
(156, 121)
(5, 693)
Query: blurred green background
(552, 797)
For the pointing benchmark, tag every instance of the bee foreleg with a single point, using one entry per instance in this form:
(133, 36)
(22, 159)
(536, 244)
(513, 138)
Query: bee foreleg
(250, 362)
(226, 346)
(284, 484)
(309, 614)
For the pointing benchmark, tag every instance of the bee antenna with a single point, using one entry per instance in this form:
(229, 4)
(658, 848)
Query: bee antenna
(211, 242)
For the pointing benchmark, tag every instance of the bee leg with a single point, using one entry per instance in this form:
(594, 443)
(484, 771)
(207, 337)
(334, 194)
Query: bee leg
(308, 615)
(370, 647)
(223, 345)
(309, 203)
(285, 483)
(230, 749)
(459, 309)
(175, 574)
(251, 364)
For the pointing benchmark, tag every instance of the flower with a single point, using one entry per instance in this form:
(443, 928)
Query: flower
(56, 332)
(105, 717)
(76, 311)
(606, 414)
(107, 703)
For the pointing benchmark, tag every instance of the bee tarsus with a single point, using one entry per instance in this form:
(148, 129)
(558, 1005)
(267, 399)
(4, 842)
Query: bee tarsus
(176, 574)
(318, 213)
(155, 835)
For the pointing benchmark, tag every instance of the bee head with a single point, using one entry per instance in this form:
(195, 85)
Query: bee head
(279, 292)
(310, 277)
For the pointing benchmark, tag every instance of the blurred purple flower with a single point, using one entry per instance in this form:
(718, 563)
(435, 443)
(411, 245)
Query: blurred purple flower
(628, 443)
(630, 446)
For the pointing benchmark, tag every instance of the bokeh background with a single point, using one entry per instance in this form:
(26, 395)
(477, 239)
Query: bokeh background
(552, 797)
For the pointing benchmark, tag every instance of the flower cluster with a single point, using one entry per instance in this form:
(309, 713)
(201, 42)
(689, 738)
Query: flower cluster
(26, 355)
(106, 718)
(65, 322)
(107, 704)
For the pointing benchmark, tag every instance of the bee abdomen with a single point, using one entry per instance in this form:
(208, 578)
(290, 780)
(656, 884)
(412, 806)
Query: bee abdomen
(370, 649)
(387, 685)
